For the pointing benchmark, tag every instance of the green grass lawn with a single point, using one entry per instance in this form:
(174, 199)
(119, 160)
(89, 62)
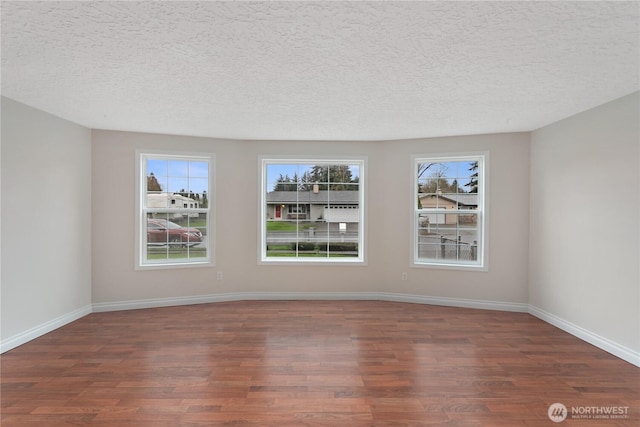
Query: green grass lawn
(176, 253)
(285, 251)
(291, 254)
(197, 223)
(310, 250)
(287, 226)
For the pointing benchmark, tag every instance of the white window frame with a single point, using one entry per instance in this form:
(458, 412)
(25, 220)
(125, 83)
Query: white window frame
(482, 259)
(141, 261)
(264, 161)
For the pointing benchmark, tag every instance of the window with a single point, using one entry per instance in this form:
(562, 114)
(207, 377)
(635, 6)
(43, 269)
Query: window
(449, 215)
(174, 208)
(300, 221)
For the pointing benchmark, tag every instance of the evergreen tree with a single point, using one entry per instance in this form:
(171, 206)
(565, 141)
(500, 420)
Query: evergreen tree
(152, 183)
(473, 182)
(333, 177)
(284, 183)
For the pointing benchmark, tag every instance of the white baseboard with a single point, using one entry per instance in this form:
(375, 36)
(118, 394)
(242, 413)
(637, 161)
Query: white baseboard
(363, 296)
(44, 328)
(603, 343)
(455, 302)
(235, 296)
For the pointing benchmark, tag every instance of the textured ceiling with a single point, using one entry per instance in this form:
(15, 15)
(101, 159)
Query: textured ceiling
(319, 70)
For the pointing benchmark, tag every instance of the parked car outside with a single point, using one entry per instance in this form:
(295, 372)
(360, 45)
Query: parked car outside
(161, 232)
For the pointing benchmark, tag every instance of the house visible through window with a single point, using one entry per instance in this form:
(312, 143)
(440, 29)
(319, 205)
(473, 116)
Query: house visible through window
(300, 217)
(449, 211)
(175, 209)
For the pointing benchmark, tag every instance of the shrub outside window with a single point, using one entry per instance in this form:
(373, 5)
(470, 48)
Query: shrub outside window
(312, 210)
(174, 209)
(449, 214)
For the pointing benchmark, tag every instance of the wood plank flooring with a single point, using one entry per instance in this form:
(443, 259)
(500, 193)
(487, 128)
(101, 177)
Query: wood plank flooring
(310, 363)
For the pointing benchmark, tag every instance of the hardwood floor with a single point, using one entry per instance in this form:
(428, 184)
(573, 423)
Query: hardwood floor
(311, 363)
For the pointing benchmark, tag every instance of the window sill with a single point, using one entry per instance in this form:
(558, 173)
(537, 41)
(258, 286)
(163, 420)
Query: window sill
(328, 261)
(451, 266)
(162, 265)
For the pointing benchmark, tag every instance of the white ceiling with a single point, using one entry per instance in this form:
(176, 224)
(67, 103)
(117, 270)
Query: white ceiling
(319, 70)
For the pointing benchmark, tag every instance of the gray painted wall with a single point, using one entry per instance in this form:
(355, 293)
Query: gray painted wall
(388, 222)
(585, 186)
(46, 219)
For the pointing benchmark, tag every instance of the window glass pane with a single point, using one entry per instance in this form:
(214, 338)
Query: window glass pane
(158, 167)
(198, 186)
(177, 184)
(320, 174)
(198, 169)
(178, 168)
(156, 176)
